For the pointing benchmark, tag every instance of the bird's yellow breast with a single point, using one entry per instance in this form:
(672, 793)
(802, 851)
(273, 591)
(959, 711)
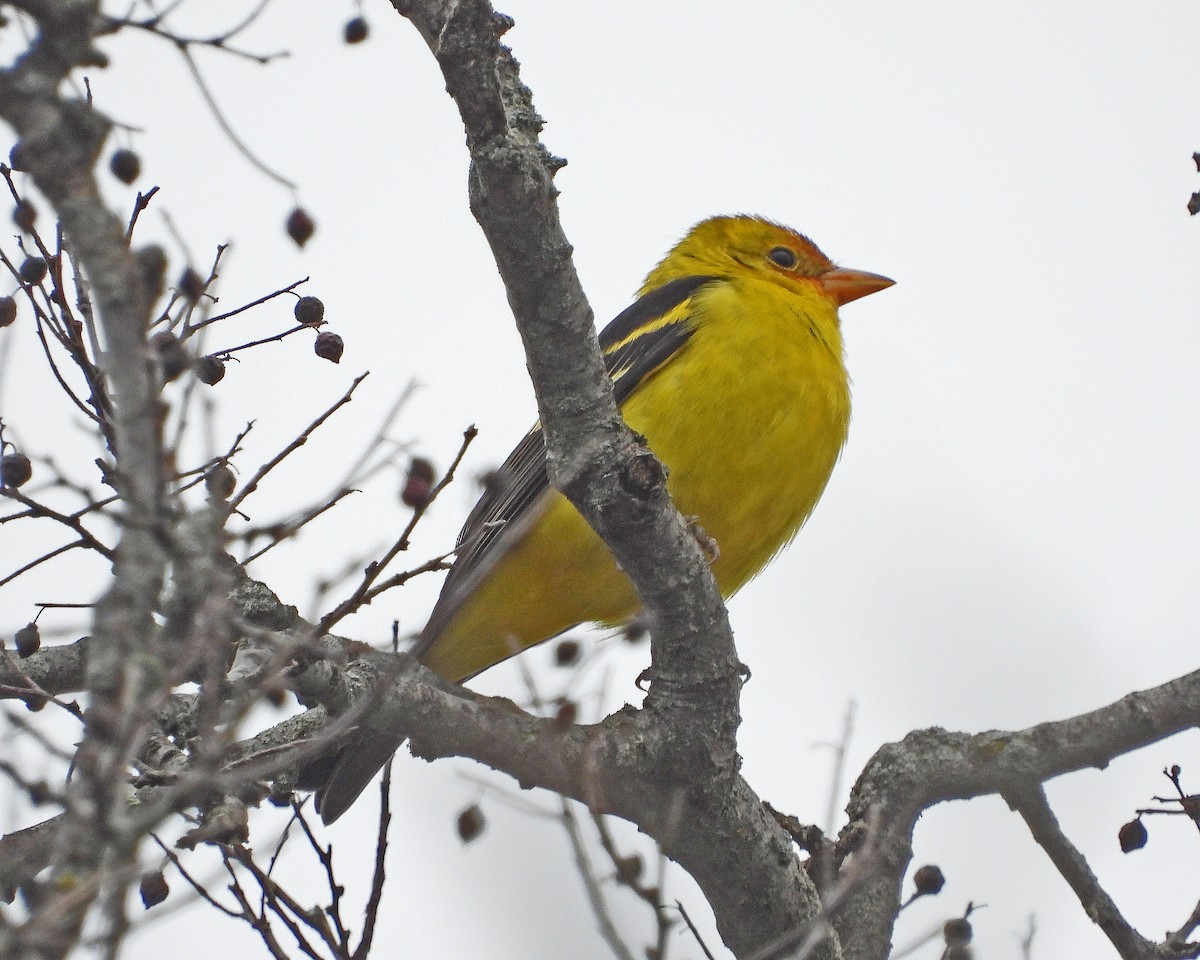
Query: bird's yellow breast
(749, 417)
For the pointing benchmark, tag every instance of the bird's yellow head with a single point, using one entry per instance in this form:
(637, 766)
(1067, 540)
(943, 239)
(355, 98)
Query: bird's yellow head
(747, 245)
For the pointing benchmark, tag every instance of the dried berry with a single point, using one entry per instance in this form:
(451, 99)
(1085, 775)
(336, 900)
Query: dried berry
(125, 165)
(280, 796)
(491, 481)
(309, 311)
(566, 653)
(629, 869)
(173, 357)
(18, 157)
(8, 311)
(276, 694)
(32, 270)
(24, 216)
(957, 931)
(15, 470)
(418, 485)
(356, 30)
(220, 482)
(928, 880)
(153, 889)
(28, 640)
(1132, 835)
(329, 346)
(210, 370)
(300, 226)
(191, 285)
(564, 716)
(470, 823)
(152, 265)
(40, 793)
(635, 631)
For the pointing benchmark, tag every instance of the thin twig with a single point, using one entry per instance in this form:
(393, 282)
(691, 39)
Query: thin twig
(604, 920)
(224, 124)
(192, 881)
(71, 521)
(295, 445)
(247, 306)
(1031, 803)
(139, 204)
(371, 914)
(363, 593)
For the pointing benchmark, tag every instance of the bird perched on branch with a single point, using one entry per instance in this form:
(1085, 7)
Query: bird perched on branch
(729, 363)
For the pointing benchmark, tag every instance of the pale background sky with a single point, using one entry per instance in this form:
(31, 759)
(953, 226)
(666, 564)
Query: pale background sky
(1012, 533)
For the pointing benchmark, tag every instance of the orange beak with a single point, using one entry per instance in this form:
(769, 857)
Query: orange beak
(842, 285)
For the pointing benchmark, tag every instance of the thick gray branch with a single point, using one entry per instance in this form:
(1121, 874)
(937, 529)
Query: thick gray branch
(60, 141)
(692, 709)
(931, 766)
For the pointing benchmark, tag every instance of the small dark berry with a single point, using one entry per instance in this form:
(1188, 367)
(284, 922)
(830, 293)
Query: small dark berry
(25, 215)
(210, 369)
(928, 879)
(356, 30)
(40, 793)
(629, 869)
(276, 694)
(33, 270)
(28, 640)
(15, 470)
(125, 165)
(564, 716)
(191, 285)
(17, 157)
(279, 797)
(153, 889)
(309, 311)
(566, 653)
(957, 931)
(1132, 835)
(8, 311)
(152, 264)
(470, 823)
(300, 226)
(173, 357)
(635, 631)
(329, 346)
(491, 481)
(418, 485)
(220, 482)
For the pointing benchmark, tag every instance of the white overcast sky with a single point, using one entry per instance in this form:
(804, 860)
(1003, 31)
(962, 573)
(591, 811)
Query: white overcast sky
(1012, 534)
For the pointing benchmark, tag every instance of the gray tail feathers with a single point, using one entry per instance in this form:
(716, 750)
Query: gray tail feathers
(342, 777)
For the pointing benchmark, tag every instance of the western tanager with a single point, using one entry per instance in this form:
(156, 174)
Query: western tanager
(729, 363)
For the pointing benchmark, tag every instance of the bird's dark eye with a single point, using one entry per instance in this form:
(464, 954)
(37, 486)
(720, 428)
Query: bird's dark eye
(782, 257)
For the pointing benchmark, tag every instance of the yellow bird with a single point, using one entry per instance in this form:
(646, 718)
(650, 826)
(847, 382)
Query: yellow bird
(729, 363)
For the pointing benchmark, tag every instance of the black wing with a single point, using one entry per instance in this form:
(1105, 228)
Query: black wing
(639, 340)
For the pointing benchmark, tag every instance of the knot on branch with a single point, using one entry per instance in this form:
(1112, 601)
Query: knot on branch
(642, 476)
